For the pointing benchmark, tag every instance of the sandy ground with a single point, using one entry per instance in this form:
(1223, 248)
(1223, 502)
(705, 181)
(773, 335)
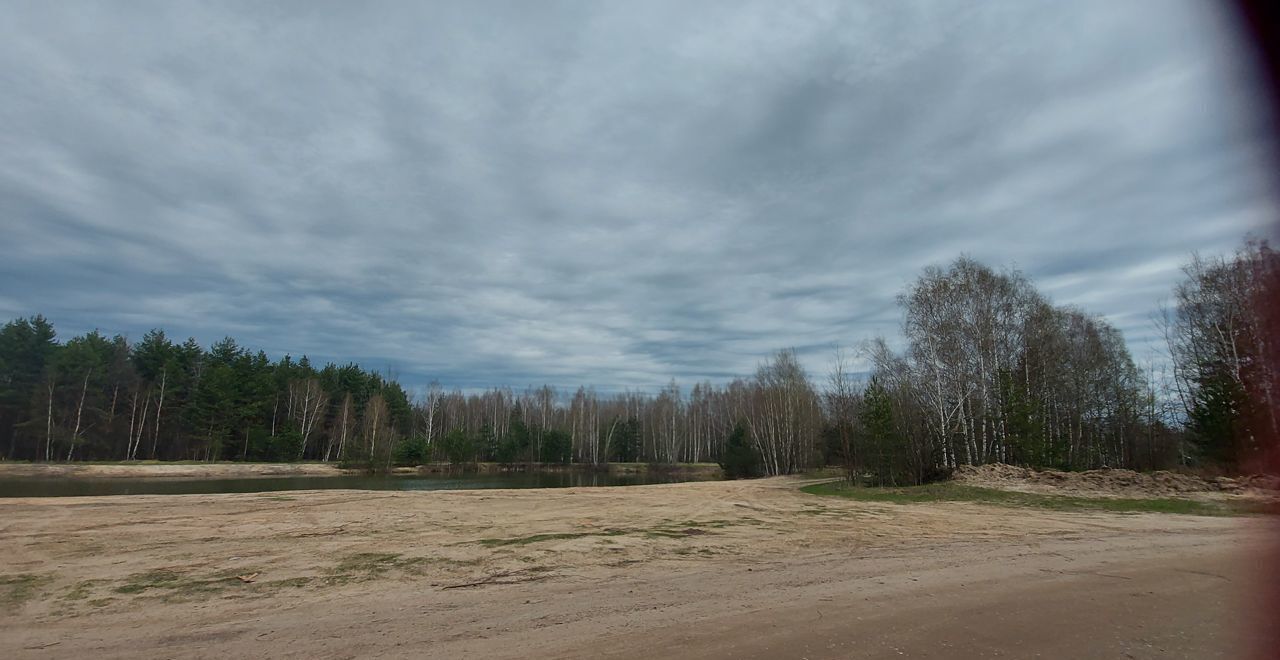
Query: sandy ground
(1120, 483)
(696, 570)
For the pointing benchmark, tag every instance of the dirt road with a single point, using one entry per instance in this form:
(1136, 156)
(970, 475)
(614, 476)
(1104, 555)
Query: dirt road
(699, 570)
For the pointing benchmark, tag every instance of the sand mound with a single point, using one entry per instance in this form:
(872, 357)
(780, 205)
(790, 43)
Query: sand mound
(1113, 482)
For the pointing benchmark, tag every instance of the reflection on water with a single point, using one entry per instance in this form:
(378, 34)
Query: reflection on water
(49, 487)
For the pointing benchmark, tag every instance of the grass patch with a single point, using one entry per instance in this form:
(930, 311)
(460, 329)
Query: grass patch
(675, 533)
(715, 523)
(539, 538)
(15, 590)
(368, 565)
(81, 590)
(296, 582)
(953, 492)
(140, 582)
(173, 584)
(667, 531)
(368, 562)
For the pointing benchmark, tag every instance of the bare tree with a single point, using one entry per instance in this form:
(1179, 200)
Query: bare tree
(783, 414)
(841, 399)
(341, 431)
(1222, 355)
(308, 403)
(75, 431)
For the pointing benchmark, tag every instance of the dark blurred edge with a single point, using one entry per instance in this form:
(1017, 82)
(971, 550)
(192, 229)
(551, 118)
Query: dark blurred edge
(1259, 23)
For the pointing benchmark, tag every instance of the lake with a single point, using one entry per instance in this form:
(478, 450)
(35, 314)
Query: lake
(69, 487)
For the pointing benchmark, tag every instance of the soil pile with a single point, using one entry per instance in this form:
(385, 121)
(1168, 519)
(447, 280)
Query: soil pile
(1114, 482)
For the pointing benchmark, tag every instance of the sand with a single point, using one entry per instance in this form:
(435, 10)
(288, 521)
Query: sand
(699, 570)
(1119, 483)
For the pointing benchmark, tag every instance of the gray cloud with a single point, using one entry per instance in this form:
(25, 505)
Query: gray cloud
(516, 193)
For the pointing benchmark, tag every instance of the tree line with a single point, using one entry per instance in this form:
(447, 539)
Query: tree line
(990, 371)
(100, 398)
(993, 372)
(1222, 335)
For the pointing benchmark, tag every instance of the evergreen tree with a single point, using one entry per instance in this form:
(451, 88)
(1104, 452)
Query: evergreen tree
(458, 446)
(27, 345)
(740, 459)
(514, 446)
(881, 449)
(557, 447)
(626, 441)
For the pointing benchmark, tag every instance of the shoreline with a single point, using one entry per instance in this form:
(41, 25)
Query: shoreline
(234, 470)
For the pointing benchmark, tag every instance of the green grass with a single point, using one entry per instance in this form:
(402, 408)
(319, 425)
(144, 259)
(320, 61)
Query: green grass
(81, 590)
(159, 579)
(18, 589)
(172, 582)
(953, 492)
(670, 530)
(363, 566)
(175, 585)
(539, 538)
(368, 562)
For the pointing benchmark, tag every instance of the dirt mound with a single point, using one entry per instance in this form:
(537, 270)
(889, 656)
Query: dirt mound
(1112, 482)
(1254, 481)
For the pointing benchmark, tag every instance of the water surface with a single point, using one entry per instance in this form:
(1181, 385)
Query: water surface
(66, 487)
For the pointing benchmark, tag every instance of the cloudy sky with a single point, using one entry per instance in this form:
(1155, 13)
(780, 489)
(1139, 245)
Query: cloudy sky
(608, 193)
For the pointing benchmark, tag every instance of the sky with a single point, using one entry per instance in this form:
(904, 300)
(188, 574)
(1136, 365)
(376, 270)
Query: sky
(605, 193)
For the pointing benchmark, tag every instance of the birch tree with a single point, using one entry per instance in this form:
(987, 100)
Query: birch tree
(1223, 355)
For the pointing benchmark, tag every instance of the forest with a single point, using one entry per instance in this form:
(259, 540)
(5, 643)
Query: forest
(990, 371)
